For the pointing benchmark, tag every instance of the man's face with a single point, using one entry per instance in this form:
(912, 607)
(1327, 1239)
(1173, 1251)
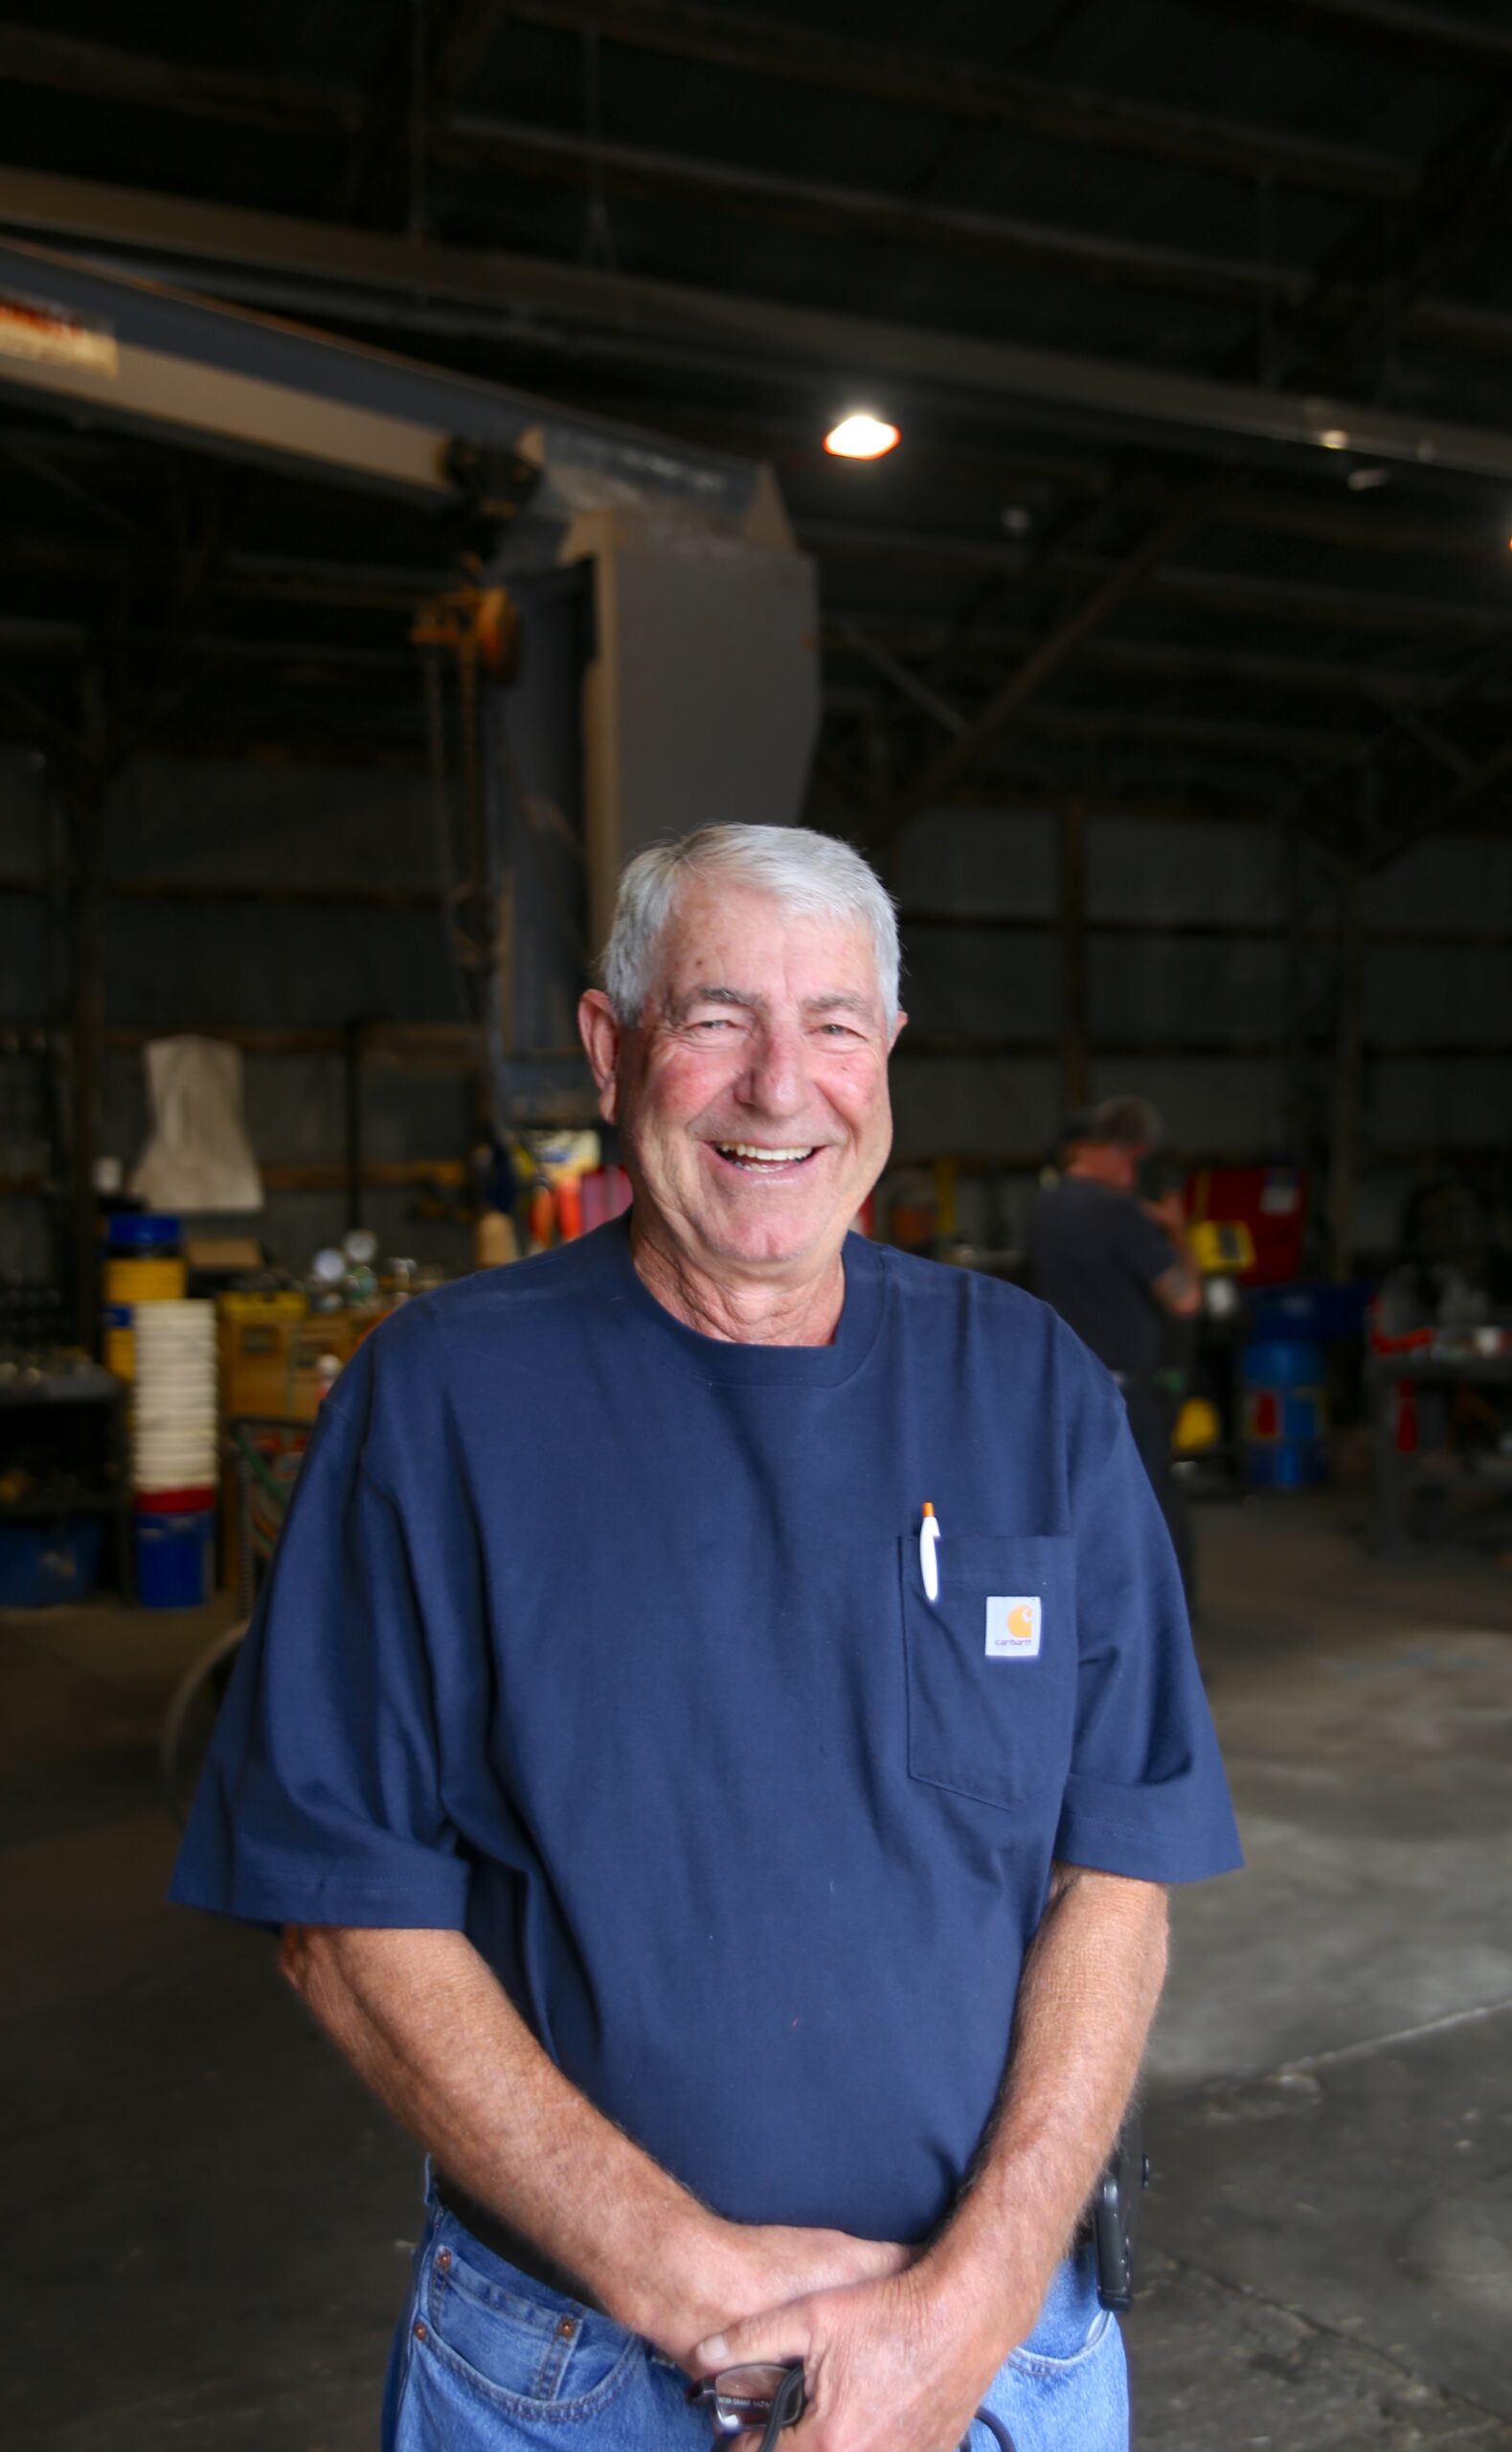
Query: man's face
(753, 1094)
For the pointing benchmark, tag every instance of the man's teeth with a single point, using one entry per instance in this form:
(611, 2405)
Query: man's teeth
(748, 1149)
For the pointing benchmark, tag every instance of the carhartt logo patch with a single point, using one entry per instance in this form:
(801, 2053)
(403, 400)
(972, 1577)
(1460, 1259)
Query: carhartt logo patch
(1013, 1627)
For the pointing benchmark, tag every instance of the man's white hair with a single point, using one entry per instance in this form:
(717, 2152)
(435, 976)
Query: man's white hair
(806, 873)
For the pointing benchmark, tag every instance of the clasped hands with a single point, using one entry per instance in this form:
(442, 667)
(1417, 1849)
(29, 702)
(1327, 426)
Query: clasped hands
(898, 2346)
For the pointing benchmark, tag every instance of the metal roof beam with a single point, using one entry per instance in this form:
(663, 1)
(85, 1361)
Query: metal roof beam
(1369, 529)
(1312, 601)
(1157, 659)
(970, 89)
(1220, 733)
(297, 662)
(1367, 843)
(64, 64)
(432, 60)
(1356, 297)
(818, 204)
(937, 774)
(1335, 517)
(870, 651)
(1402, 21)
(1239, 592)
(960, 88)
(1444, 817)
(1112, 390)
(885, 642)
(1357, 304)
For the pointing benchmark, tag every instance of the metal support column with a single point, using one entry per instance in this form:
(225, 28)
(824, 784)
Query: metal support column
(354, 1037)
(1075, 1068)
(1344, 1152)
(85, 814)
(1298, 1097)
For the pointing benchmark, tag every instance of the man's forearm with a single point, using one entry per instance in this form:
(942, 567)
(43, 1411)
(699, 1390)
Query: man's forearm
(1089, 1993)
(427, 2025)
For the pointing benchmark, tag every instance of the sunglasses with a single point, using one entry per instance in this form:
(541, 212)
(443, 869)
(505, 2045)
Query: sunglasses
(742, 2400)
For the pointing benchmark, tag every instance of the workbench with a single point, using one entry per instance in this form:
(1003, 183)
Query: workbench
(1434, 1374)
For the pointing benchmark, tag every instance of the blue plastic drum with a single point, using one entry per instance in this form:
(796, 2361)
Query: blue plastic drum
(1285, 1415)
(175, 1560)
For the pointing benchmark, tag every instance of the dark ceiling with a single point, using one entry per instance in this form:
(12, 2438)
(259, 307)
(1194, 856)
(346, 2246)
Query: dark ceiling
(1037, 592)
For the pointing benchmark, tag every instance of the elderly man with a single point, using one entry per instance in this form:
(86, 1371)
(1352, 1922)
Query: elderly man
(714, 1737)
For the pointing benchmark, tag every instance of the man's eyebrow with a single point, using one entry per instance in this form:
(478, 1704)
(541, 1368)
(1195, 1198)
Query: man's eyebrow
(838, 1000)
(710, 993)
(841, 1001)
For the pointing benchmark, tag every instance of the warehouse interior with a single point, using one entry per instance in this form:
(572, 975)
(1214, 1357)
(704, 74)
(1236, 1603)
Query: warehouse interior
(414, 499)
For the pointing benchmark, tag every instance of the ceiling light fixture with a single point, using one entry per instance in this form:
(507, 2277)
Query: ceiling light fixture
(1364, 481)
(860, 436)
(1334, 437)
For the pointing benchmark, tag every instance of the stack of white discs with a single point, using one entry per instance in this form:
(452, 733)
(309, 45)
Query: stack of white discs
(174, 1434)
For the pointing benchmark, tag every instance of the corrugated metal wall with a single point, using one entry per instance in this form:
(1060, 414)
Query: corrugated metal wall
(1197, 1022)
(178, 964)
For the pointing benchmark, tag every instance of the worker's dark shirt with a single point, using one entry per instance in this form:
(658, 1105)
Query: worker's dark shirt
(1094, 1257)
(609, 1645)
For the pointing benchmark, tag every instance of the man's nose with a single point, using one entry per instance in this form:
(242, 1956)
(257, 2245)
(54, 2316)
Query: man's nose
(776, 1080)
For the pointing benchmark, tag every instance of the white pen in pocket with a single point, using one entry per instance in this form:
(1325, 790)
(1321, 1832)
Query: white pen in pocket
(928, 1549)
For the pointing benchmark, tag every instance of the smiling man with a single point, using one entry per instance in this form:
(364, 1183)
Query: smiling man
(752, 1900)
(751, 1086)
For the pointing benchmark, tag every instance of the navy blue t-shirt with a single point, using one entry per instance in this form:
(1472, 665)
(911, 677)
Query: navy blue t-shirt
(1095, 1254)
(607, 1643)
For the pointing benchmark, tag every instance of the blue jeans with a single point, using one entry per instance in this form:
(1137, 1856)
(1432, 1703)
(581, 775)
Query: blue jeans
(486, 2359)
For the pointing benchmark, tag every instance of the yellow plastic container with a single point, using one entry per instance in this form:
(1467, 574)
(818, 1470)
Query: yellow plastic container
(288, 1305)
(149, 1281)
(121, 1352)
(259, 1339)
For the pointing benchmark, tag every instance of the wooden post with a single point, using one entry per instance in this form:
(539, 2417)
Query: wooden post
(86, 999)
(1299, 1101)
(354, 1038)
(1344, 1154)
(1074, 952)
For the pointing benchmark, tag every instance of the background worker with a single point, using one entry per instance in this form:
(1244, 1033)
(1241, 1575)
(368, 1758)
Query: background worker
(1117, 1271)
(754, 1903)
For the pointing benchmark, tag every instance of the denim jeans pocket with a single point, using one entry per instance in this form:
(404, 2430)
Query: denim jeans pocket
(511, 2342)
(1030, 2361)
(1070, 2324)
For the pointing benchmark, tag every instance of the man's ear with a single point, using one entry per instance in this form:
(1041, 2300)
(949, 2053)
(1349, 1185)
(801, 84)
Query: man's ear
(898, 1029)
(601, 1038)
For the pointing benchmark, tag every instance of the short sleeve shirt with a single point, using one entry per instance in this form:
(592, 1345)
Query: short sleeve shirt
(608, 1645)
(1093, 1255)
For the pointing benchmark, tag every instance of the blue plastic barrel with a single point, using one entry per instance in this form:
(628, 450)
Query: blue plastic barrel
(143, 1231)
(1310, 1314)
(1285, 1415)
(44, 1564)
(175, 1560)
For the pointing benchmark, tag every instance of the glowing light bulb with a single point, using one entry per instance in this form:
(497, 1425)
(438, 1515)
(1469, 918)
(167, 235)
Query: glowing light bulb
(861, 436)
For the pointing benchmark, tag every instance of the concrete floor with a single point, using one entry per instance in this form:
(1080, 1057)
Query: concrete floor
(209, 2221)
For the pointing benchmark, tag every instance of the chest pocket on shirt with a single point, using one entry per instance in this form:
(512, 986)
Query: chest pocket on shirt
(991, 1666)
